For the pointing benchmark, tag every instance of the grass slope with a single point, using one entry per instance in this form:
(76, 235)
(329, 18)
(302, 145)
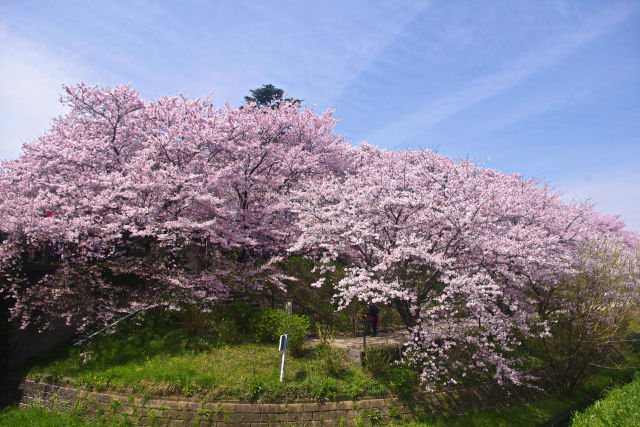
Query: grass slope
(151, 359)
(620, 407)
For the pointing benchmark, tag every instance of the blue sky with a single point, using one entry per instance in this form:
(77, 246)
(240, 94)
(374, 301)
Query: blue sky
(549, 89)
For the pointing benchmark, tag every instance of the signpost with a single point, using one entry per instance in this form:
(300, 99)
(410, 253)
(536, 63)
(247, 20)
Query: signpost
(283, 348)
(364, 333)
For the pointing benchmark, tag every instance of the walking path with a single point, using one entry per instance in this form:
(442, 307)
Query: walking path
(352, 346)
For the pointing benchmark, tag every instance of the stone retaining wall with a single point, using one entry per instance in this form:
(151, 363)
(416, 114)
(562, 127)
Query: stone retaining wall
(182, 412)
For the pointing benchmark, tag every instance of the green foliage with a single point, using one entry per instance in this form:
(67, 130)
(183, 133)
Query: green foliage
(377, 360)
(240, 313)
(394, 412)
(187, 390)
(316, 302)
(270, 323)
(327, 389)
(401, 380)
(38, 415)
(333, 362)
(266, 324)
(590, 315)
(268, 96)
(255, 389)
(399, 377)
(297, 327)
(375, 416)
(115, 405)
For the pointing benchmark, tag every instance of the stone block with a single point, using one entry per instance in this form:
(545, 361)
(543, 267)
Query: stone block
(336, 415)
(227, 407)
(243, 408)
(319, 415)
(156, 403)
(311, 407)
(343, 405)
(250, 417)
(268, 418)
(353, 413)
(305, 416)
(188, 415)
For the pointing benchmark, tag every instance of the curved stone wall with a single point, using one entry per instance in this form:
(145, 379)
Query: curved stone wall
(176, 411)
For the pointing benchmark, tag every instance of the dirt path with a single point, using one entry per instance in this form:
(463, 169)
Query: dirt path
(353, 345)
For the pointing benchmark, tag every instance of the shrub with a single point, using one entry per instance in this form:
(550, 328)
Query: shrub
(401, 380)
(240, 313)
(297, 327)
(270, 323)
(265, 324)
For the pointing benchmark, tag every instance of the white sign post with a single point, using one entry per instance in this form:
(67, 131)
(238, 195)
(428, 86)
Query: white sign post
(283, 348)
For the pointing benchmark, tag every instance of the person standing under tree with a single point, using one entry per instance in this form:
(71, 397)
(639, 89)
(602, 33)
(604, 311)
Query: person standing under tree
(373, 314)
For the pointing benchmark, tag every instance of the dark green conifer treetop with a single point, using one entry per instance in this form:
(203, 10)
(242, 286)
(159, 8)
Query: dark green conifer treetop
(268, 96)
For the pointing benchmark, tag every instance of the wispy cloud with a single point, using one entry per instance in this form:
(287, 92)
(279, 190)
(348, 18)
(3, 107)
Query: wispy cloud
(512, 73)
(614, 191)
(31, 80)
(313, 49)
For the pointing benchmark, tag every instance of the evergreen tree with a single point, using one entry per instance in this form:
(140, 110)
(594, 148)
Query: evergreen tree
(268, 96)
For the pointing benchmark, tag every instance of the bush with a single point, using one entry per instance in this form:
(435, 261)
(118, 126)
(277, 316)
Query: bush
(241, 314)
(401, 380)
(270, 323)
(326, 389)
(227, 331)
(297, 327)
(265, 324)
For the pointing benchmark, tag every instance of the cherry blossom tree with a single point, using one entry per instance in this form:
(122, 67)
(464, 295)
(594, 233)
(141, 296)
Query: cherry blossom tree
(465, 254)
(126, 203)
(154, 203)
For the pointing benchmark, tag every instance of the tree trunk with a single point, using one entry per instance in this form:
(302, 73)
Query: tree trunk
(403, 308)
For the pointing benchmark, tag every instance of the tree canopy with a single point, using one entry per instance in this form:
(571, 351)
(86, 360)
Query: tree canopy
(154, 203)
(268, 96)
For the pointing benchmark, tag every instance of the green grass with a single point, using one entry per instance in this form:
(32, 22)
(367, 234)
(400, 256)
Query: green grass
(621, 406)
(154, 359)
(36, 415)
